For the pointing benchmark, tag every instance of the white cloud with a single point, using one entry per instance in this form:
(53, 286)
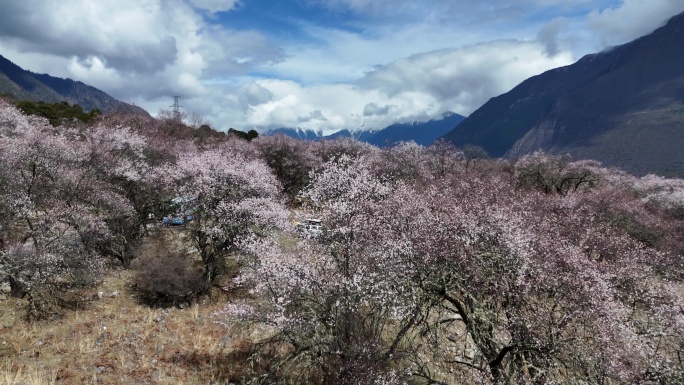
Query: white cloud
(337, 55)
(136, 50)
(631, 19)
(419, 87)
(129, 35)
(254, 94)
(464, 78)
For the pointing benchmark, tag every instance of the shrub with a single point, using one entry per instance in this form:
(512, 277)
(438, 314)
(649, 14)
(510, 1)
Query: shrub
(553, 174)
(291, 160)
(164, 278)
(50, 274)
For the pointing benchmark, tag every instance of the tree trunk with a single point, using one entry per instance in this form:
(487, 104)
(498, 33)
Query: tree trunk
(18, 288)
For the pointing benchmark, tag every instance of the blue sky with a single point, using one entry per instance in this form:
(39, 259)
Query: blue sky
(317, 64)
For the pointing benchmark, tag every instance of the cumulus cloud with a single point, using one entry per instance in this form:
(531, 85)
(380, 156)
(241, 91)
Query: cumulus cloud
(124, 35)
(136, 50)
(631, 19)
(254, 94)
(321, 108)
(464, 78)
(420, 87)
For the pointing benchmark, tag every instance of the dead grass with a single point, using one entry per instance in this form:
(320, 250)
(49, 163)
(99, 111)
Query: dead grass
(116, 340)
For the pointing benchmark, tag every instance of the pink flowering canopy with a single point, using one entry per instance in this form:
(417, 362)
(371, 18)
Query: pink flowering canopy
(547, 269)
(58, 194)
(235, 198)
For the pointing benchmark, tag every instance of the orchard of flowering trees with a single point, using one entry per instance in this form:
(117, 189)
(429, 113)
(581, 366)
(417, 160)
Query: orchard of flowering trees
(436, 265)
(77, 199)
(59, 195)
(541, 271)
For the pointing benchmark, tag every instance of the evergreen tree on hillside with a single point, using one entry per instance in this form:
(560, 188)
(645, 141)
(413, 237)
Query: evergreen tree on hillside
(58, 113)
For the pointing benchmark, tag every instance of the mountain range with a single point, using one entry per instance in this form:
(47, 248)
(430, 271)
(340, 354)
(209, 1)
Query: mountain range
(623, 106)
(423, 133)
(26, 85)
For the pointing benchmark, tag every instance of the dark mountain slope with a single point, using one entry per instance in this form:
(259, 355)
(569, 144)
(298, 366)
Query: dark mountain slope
(623, 106)
(26, 85)
(423, 133)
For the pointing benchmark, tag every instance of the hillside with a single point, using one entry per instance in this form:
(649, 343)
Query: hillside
(623, 107)
(26, 85)
(423, 133)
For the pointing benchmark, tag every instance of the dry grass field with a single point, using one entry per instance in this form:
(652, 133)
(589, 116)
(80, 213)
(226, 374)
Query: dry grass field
(114, 339)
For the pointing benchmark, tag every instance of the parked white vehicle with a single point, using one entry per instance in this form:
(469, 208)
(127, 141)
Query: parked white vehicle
(309, 227)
